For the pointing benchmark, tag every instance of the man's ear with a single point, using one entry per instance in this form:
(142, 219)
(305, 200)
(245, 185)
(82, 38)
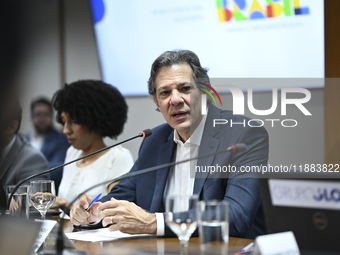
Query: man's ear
(155, 100)
(11, 130)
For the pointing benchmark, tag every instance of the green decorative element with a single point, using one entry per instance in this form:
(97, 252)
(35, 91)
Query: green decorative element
(206, 91)
(287, 8)
(239, 16)
(219, 4)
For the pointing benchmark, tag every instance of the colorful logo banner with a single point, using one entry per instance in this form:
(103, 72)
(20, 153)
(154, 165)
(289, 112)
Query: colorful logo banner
(240, 10)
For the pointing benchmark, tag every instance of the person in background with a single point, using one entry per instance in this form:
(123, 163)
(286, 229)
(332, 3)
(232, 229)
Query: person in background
(136, 205)
(52, 143)
(18, 158)
(89, 111)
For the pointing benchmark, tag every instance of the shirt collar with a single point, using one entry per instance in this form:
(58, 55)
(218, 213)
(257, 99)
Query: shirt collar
(196, 137)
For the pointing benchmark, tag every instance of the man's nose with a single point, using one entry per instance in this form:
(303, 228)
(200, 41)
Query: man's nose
(176, 97)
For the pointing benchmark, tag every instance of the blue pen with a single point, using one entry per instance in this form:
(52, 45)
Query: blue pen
(94, 200)
(248, 247)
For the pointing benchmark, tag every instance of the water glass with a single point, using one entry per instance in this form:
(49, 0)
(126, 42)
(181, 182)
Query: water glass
(181, 216)
(19, 205)
(42, 195)
(213, 224)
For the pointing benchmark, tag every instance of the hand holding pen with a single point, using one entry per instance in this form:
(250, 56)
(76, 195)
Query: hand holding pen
(93, 201)
(81, 214)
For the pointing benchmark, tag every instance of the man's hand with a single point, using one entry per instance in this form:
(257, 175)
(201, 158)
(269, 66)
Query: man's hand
(127, 217)
(79, 215)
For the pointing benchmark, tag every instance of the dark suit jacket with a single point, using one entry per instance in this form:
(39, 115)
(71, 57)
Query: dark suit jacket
(21, 161)
(245, 214)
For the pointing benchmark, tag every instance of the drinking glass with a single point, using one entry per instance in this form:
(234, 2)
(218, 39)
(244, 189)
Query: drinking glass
(42, 195)
(19, 205)
(213, 225)
(181, 216)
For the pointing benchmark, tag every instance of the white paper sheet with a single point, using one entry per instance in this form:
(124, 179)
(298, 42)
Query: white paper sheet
(99, 235)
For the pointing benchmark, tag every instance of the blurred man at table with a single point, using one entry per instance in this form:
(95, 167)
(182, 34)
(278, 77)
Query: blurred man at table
(18, 158)
(137, 204)
(52, 143)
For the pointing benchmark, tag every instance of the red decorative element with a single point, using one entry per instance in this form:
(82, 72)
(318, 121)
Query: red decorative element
(270, 11)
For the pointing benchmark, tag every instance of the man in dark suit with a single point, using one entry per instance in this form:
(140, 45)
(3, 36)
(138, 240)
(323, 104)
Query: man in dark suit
(174, 86)
(52, 143)
(18, 158)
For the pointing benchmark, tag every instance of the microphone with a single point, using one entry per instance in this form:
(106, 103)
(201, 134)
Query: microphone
(60, 240)
(144, 133)
(239, 147)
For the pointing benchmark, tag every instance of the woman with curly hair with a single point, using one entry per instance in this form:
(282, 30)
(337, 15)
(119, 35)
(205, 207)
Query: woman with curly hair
(89, 111)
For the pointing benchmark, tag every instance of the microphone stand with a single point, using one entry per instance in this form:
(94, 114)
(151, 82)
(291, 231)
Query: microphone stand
(60, 239)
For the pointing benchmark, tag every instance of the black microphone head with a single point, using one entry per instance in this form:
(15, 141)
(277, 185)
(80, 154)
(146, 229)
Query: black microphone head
(239, 147)
(146, 133)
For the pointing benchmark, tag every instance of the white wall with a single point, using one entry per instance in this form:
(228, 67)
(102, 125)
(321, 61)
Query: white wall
(41, 76)
(39, 70)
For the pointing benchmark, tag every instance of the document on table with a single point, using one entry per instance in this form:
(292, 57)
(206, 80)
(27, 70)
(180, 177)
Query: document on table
(100, 235)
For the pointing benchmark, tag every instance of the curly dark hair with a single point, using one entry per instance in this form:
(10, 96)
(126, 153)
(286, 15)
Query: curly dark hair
(94, 104)
(174, 57)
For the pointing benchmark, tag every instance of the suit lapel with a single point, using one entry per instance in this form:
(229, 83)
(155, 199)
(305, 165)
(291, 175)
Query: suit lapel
(165, 155)
(209, 145)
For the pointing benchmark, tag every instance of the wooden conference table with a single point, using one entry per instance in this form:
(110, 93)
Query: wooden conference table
(153, 245)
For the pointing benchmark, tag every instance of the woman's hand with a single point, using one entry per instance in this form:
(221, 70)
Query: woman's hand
(60, 203)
